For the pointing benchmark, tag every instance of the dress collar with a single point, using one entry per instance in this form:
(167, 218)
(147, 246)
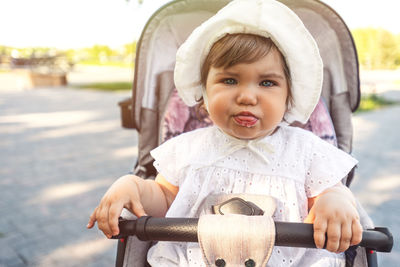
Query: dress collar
(260, 146)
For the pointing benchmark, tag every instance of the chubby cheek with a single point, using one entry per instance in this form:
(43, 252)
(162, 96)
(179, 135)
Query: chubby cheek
(274, 113)
(218, 111)
(218, 107)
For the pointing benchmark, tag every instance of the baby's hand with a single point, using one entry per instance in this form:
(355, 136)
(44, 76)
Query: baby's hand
(334, 214)
(123, 193)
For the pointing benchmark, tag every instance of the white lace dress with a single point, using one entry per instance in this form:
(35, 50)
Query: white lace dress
(291, 165)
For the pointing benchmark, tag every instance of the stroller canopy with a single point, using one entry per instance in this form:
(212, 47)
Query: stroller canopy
(167, 29)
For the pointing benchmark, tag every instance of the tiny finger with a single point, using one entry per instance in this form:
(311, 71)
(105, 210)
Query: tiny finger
(113, 214)
(320, 227)
(102, 221)
(357, 231)
(333, 236)
(345, 237)
(92, 219)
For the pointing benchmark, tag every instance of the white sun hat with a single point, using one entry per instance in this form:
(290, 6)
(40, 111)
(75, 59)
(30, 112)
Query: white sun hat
(266, 18)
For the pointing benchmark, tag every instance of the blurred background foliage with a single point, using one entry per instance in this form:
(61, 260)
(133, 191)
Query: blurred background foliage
(102, 55)
(377, 49)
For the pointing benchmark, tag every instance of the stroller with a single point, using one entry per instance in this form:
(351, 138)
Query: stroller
(157, 114)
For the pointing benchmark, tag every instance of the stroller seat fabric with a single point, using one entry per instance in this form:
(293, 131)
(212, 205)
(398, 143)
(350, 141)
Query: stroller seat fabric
(180, 118)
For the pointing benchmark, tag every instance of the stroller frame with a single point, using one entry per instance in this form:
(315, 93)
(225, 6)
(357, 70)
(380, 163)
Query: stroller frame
(153, 82)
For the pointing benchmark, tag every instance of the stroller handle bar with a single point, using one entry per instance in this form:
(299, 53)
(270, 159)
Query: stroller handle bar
(288, 234)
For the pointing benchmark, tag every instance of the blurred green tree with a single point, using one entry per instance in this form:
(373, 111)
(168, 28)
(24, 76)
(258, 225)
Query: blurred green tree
(377, 48)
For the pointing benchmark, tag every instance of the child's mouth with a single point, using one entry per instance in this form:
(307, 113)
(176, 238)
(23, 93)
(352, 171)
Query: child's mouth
(245, 119)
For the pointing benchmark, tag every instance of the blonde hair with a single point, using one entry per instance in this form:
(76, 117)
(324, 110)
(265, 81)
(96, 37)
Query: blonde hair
(238, 48)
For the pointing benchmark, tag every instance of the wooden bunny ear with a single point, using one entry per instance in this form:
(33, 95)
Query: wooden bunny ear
(236, 240)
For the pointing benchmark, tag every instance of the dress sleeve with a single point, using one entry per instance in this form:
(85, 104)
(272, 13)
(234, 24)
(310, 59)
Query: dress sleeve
(326, 166)
(168, 161)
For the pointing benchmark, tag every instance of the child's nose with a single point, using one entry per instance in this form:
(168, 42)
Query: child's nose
(247, 95)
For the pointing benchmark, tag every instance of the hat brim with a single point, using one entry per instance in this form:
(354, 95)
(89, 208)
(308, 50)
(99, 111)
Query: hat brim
(267, 18)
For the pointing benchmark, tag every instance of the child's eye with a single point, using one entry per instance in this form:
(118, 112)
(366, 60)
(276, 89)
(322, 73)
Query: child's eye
(267, 83)
(229, 81)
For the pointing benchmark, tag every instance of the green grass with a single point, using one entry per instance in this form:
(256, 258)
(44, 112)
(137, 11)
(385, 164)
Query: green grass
(109, 86)
(372, 102)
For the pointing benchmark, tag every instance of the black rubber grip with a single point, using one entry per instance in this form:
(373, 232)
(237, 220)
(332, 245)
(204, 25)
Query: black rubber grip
(287, 234)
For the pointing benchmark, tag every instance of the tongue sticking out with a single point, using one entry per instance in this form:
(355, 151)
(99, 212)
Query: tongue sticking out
(246, 120)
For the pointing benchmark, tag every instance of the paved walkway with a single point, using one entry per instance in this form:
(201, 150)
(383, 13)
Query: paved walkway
(61, 148)
(377, 182)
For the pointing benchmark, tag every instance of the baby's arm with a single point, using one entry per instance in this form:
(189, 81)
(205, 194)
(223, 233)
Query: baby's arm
(334, 213)
(140, 196)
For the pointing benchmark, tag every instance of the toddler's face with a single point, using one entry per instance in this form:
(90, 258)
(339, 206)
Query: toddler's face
(248, 100)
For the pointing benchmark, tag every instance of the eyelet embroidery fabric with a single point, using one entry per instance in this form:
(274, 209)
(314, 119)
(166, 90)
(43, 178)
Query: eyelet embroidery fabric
(301, 166)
